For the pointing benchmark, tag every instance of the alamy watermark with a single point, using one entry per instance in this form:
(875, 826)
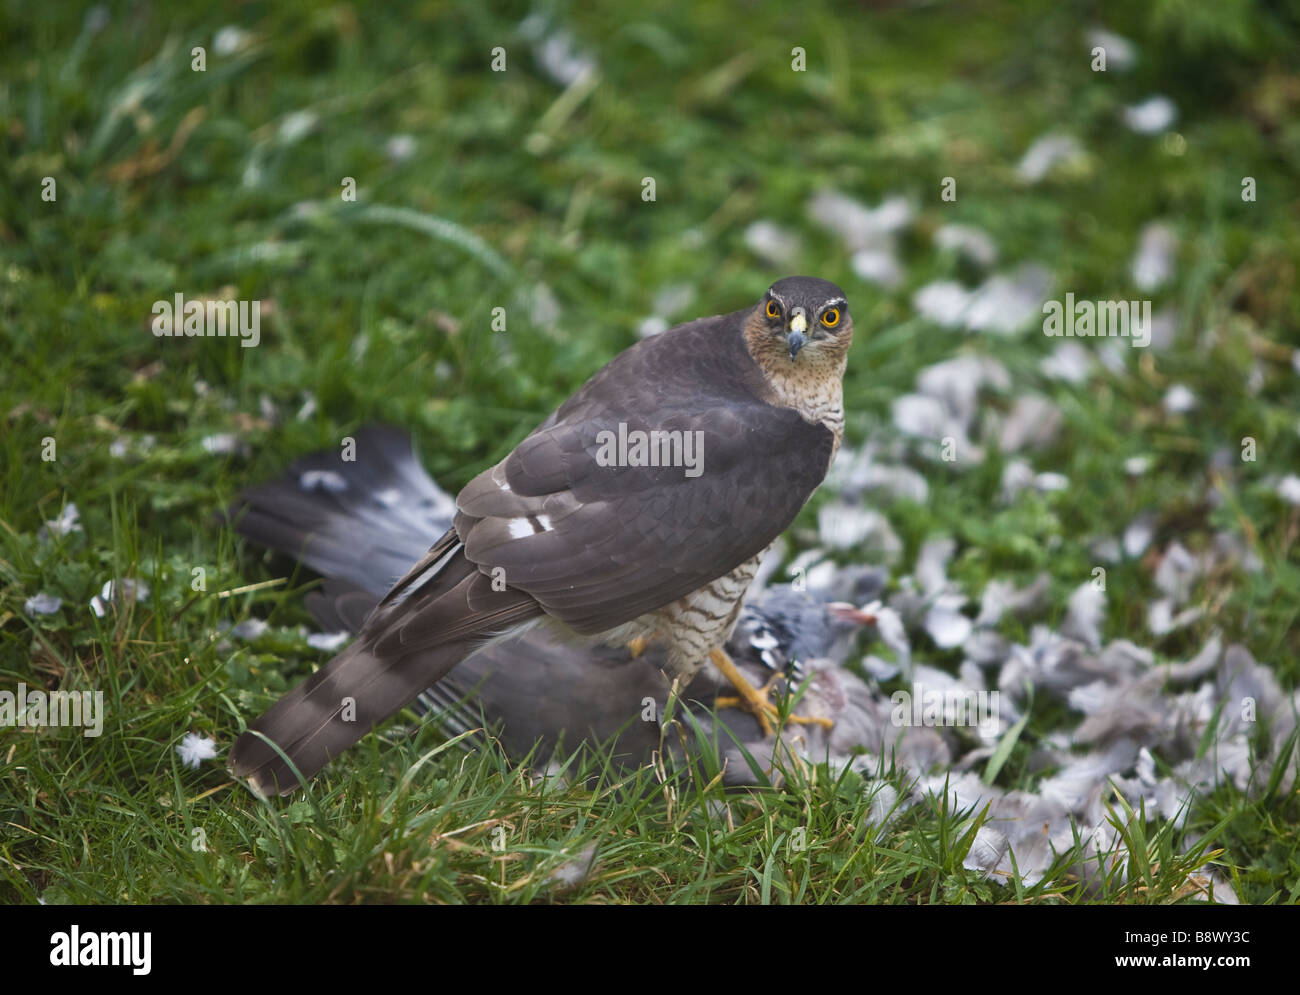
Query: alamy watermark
(932, 708)
(637, 447)
(208, 318)
(1099, 319)
(102, 949)
(38, 707)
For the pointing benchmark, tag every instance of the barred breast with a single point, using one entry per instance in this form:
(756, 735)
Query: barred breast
(702, 621)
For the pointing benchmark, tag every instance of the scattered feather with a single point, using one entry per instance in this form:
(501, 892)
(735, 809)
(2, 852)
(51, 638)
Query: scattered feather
(943, 302)
(1105, 549)
(194, 749)
(653, 325)
(923, 417)
(945, 623)
(957, 383)
(1152, 116)
(1178, 572)
(1032, 422)
(1136, 466)
(846, 526)
(892, 632)
(856, 473)
(249, 629)
(1179, 400)
(42, 604)
(1086, 611)
(296, 125)
(573, 873)
(931, 569)
(1121, 54)
(120, 592)
(1138, 535)
(400, 148)
(772, 243)
(543, 307)
(1047, 482)
(878, 266)
(328, 641)
(229, 40)
(1007, 303)
(1153, 264)
(556, 51)
(1162, 620)
(222, 443)
(65, 523)
(967, 240)
(858, 226)
(1046, 154)
(878, 669)
(1288, 489)
(1070, 362)
(1017, 475)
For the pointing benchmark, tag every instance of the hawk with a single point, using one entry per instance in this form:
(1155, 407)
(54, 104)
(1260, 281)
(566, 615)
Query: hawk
(360, 522)
(637, 513)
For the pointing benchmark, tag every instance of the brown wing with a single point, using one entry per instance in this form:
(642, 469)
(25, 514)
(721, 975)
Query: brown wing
(598, 545)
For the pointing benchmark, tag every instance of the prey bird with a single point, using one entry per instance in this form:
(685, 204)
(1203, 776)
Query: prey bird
(602, 545)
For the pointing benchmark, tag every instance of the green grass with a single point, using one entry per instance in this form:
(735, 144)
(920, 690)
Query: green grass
(171, 180)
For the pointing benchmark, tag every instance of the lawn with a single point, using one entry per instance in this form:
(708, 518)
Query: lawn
(452, 246)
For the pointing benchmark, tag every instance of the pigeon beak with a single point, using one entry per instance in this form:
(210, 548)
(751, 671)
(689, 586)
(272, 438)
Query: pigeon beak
(796, 340)
(847, 612)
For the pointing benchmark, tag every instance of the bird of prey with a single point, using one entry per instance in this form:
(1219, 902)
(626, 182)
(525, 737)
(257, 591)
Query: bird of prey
(361, 523)
(636, 514)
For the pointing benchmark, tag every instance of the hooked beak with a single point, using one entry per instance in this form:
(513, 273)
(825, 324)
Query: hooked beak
(796, 339)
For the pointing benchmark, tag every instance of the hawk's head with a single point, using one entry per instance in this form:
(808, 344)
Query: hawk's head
(808, 316)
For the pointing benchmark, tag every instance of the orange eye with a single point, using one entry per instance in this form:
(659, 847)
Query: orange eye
(773, 311)
(831, 317)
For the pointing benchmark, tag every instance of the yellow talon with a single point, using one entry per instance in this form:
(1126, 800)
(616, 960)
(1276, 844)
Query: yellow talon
(755, 700)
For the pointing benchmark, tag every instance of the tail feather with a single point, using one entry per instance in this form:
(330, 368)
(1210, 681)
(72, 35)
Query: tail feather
(360, 522)
(331, 711)
(340, 606)
(439, 613)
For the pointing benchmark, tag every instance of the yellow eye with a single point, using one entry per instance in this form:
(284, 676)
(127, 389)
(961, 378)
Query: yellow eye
(773, 311)
(831, 317)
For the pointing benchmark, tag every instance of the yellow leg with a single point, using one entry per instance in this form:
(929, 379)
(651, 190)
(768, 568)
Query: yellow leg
(755, 700)
(727, 701)
(637, 646)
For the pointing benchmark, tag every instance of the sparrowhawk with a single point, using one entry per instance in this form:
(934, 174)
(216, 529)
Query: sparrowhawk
(636, 513)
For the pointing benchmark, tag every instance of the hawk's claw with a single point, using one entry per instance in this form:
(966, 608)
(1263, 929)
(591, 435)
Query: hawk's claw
(755, 700)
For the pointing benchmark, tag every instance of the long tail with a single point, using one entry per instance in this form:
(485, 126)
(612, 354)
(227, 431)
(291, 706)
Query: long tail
(362, 523)
(329, 712)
